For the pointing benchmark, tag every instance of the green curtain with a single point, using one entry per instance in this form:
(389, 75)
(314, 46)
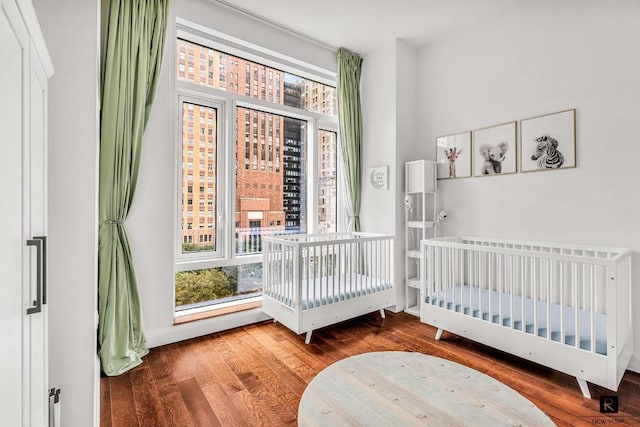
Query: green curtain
(133, 46)
(350, 117)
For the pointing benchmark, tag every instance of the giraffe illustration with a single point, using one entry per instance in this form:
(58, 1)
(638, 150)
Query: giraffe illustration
(452, 155)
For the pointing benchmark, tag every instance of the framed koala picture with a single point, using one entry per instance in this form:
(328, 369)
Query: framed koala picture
(494, 150)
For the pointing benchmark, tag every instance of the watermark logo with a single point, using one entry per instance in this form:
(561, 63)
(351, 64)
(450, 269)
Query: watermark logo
(608, 404)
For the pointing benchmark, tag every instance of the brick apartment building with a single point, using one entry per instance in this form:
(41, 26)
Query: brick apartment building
(270, 149)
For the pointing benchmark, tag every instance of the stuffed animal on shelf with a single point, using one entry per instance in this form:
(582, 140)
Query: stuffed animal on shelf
(493, 157)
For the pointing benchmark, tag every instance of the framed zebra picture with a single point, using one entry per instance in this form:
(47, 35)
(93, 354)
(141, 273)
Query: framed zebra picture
(548, 142)
(454, 155)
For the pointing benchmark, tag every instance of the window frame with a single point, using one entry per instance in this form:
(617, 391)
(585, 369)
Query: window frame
(227, 104)
(221, 114)
(332, 127)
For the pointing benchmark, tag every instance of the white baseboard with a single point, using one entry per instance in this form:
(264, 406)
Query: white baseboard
(96, 391)
(185, 331)
(634, 364)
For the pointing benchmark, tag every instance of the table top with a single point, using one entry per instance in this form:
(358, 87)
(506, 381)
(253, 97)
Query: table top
(395, 388)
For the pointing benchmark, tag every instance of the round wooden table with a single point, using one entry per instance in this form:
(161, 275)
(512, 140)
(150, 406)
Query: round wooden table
(395, 388)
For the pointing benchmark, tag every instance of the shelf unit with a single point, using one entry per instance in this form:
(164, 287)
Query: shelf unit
(420, 223)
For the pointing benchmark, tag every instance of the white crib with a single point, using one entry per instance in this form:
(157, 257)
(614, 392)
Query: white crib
(315, 280)
(564, 306)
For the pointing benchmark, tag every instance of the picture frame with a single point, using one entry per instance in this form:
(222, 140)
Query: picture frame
(495, 150)
(453, 155)
(548, 142)
(379, 177)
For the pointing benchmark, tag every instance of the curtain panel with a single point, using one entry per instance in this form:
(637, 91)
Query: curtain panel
(134, 37)
(350, 119)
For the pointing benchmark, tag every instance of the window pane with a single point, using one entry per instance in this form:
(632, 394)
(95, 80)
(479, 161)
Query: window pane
(270, 179)
(209, 67)
(217, 285)
(327, 181)
(199, 179)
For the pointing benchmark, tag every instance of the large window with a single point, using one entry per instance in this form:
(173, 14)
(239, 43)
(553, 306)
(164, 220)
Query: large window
(258, 158)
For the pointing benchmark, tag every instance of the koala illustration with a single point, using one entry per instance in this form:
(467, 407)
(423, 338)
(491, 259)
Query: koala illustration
(493, 157)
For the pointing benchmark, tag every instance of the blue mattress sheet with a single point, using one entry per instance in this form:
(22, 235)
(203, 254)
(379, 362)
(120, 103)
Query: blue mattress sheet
(455, 299)
(321, 291)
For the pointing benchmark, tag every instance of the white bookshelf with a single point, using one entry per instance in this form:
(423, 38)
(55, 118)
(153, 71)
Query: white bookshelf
(421, 188)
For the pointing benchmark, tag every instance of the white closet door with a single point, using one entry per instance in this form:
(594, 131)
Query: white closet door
(23, 205)
(14, 49)
(36, 333)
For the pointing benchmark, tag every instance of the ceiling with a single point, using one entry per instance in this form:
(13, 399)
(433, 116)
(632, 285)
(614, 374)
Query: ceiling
(362, 25)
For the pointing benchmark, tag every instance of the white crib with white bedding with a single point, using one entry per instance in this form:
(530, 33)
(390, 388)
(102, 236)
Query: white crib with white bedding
(564, 306)
(315, 280)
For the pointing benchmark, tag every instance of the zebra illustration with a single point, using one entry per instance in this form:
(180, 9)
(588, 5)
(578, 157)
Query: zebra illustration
(546, 153)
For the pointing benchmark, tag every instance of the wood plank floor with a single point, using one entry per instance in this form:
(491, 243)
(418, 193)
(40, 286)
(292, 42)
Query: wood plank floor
(256, 376)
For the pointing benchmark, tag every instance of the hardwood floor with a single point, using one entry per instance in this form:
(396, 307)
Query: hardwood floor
(256, 375)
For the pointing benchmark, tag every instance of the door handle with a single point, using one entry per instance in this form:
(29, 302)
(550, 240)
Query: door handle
(37, 304)
(44, 267)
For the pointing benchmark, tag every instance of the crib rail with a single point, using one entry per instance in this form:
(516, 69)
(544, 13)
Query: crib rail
(563, 293)
(307, 271)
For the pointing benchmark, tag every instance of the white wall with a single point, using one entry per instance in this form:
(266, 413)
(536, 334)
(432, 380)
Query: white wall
(70, 29)
(378, 91)
(390, 137)
(552, 57)
(152, 216)
(378, 136)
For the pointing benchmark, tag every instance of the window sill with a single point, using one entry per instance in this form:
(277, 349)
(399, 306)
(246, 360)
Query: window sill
(199, 314)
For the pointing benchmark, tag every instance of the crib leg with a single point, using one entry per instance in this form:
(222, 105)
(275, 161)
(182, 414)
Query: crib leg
(307, 338)
(382, 313)
(584, 388)
(439, 334)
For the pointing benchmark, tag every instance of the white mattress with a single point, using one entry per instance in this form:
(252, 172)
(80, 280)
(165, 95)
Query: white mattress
(331, 289)
(451, 300)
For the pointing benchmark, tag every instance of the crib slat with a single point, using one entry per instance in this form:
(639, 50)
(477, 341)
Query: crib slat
(523, 322)
(511, 291)
(489, 283)
(562, 302)
(548, 299)
(350, 276)
(308, 259)
(378, 264)
(582, 291)
(592, 308)
(535, 284)
(574, 285)
(369, 270)
(282, 272)
(480, 268)
(461, 253)
(439, 277)
(472, 279)
(340, 270)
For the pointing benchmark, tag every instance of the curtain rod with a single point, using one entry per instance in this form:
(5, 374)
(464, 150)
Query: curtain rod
(275, 24)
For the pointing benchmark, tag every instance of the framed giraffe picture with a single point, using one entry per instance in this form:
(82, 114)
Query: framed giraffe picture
(548, 142)
(454, 155)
